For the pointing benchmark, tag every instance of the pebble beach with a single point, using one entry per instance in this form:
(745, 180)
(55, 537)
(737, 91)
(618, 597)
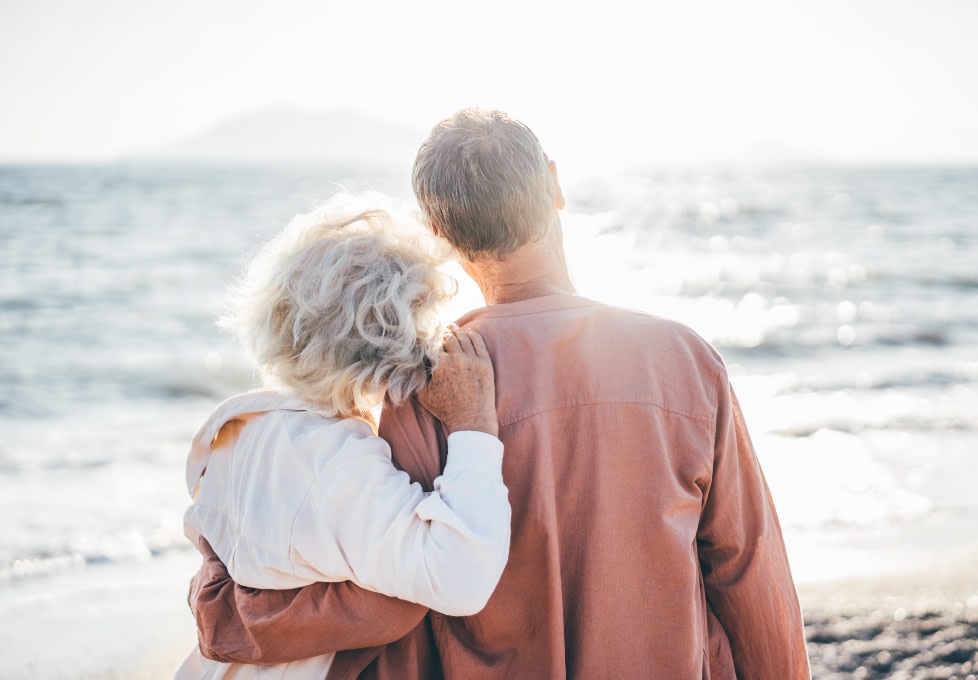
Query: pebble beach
(899, 627)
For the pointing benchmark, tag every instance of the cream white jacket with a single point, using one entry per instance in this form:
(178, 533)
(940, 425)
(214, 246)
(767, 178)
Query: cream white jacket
(287, 495)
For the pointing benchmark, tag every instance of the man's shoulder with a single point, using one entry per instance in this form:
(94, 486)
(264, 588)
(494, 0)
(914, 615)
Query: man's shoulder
(660, 334)
(597, 328)
(417, 441)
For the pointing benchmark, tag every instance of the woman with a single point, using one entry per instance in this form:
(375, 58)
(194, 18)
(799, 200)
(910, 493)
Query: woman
(290, 483)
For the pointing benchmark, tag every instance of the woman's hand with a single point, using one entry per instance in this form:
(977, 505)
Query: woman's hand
(461, 392)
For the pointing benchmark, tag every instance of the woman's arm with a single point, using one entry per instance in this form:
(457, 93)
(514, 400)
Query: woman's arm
(364, 520)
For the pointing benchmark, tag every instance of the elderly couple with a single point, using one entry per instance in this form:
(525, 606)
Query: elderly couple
(557, 488)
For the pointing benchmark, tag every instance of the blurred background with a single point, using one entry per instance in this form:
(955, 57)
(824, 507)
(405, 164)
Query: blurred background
(796, 181)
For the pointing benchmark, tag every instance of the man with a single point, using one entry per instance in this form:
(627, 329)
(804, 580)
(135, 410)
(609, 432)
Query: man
(644, 540)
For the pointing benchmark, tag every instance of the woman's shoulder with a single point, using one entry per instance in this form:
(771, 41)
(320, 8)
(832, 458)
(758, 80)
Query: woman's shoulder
(303, 424)
(320, 438)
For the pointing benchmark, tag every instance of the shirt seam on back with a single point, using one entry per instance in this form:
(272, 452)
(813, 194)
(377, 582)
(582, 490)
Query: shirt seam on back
(701, 419)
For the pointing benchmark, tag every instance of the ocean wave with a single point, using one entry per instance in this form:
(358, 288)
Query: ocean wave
(854, 424)
(863, 395)
(44, 387)
(812, 339)
(964, 282)
(125, 547)
(882, 377)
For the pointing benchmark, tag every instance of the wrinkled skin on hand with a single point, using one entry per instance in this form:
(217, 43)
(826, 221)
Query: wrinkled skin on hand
(461, 392)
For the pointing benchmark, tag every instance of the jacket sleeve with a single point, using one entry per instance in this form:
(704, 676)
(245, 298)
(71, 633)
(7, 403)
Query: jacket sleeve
(365, 521)
(742, 555)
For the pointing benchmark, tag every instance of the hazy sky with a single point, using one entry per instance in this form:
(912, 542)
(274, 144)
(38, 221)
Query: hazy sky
(849, 80)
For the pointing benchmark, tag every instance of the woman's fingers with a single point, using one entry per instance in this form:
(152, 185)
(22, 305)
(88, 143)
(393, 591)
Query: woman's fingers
(451, 344)
(478, 344)
(461, 392)
(465, 341)
(470, 341)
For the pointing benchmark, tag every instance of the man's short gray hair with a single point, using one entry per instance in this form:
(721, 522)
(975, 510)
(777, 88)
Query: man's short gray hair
(342, 306)
(483, 181)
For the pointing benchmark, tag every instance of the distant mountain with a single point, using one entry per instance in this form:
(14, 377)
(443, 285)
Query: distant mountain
(333, 137)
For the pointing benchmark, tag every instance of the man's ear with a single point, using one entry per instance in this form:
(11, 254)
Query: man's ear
(558, 193)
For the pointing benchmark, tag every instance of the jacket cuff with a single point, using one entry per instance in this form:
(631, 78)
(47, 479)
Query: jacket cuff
(472, 450)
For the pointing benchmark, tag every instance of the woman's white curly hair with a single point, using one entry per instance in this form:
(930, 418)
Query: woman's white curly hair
(341, 308)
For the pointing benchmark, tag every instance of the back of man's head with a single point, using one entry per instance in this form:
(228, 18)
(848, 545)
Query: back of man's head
(483, 181)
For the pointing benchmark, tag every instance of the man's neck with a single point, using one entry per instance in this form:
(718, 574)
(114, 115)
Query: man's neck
(533, 270)
(502, 293)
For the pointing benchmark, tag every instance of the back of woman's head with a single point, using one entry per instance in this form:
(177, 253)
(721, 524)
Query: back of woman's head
(342, 306)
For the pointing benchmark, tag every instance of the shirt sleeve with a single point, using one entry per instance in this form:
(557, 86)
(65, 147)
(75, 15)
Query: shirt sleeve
(745, 566)
(365, 521)
(244, 625)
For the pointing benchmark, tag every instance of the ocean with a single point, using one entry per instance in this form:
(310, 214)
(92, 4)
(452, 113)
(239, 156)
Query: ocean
(843, 299)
